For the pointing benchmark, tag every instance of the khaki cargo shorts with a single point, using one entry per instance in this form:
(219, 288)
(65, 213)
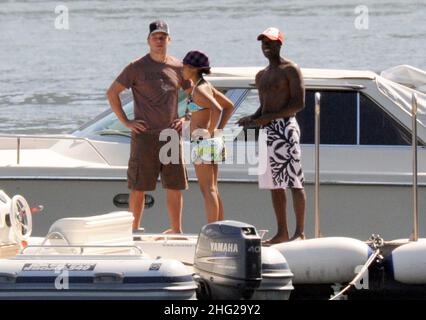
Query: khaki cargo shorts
(145, 166)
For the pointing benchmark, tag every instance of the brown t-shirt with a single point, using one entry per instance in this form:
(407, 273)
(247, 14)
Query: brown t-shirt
(155, 90)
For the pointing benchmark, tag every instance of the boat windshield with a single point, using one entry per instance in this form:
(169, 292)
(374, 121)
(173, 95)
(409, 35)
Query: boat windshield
(107, 123)
(402, 96)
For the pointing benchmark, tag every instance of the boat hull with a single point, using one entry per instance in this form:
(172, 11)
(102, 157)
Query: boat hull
(94, 277)
(350, 210)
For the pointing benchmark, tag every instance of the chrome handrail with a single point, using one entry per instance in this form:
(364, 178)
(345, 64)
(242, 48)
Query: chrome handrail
(57, 236)
(415, 169)
(137, 249)
(49, 137)
(317, 163)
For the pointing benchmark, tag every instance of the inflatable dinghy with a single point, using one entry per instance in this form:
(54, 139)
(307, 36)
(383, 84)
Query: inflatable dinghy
(125, 276)
(324, 260)
(408, 262)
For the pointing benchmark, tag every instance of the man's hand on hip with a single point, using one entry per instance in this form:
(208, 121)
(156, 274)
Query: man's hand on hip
(244, 121)
(137, 126)
(177, 124)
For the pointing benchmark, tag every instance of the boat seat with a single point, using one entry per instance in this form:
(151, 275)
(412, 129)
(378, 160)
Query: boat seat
(114, 229)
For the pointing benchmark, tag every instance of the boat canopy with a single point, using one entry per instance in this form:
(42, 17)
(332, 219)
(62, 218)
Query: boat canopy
(402, 95)
(407, 75)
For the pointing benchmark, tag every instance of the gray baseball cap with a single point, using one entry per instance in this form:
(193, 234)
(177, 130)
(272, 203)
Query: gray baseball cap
(158, 26)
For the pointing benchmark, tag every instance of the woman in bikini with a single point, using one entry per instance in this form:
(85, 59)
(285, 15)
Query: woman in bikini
(209, 110)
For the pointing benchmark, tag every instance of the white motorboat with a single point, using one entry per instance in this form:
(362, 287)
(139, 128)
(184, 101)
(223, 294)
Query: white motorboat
(365, 160)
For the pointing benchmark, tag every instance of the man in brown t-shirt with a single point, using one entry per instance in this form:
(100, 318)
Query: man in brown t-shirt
(154, 79)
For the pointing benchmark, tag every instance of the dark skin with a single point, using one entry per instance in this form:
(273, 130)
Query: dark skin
(281, 95)
(280, 85)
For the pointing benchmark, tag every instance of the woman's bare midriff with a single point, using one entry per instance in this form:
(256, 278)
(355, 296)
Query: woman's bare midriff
(200, 121)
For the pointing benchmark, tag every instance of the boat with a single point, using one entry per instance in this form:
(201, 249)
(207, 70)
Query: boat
(365, 160)
(101, 258)
(98, 257)
(312, 269)
(226, 257)
(107, 265)
(97, 276)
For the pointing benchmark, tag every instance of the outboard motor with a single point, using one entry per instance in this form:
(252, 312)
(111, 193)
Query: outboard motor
(276, 277)
(227, 262)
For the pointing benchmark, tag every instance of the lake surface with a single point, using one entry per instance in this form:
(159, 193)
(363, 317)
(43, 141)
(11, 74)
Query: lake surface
(54, 80)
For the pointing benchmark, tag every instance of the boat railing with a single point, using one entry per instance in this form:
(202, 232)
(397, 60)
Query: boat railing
(82, 248)
(414, 107)
(21, 137)
(55, 235)
(164, 237)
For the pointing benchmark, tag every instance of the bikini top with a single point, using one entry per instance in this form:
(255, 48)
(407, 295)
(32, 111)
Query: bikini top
(191, 106)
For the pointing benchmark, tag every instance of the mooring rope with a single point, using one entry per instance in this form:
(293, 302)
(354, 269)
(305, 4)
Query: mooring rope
(359, 274)
(376, 243)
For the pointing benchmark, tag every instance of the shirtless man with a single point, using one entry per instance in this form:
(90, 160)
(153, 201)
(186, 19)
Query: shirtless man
(281, 96)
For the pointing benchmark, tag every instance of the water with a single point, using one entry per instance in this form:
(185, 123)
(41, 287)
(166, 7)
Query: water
(53, 81)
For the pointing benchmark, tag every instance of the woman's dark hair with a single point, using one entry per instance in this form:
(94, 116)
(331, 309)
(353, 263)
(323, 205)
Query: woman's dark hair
(202, 71)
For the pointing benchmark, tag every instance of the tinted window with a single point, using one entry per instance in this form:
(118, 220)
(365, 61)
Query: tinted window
(108, 121)
(378, 128)
(181, 103)
(338, 118)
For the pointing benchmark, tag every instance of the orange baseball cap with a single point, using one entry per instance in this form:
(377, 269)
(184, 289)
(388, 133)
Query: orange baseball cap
(272, 34)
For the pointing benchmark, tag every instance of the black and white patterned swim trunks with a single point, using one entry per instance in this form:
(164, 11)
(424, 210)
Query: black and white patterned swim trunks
(279, 155)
